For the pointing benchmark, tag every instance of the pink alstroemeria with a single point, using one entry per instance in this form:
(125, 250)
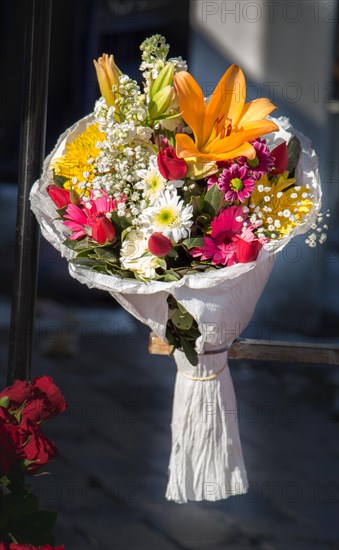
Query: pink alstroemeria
(231, 241)
(89, 218)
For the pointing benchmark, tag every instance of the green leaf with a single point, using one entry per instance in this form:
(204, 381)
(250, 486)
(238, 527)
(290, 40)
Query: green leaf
(107, 255)
(62, 211)
(173, 253)
(193, 242)
(294, 152)
(170, 276)
(79, 246)
(59, 181)
(18, 504)
(197, 202)
(100, 269)
(4, 402)
(35, 528)
(120, 222)
(182, 321)
(213, 200)
(203, 220)
(189, 350)
(86, 262)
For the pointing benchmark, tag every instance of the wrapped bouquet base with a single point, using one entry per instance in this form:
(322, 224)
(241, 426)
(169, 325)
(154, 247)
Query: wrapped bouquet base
(206, 460)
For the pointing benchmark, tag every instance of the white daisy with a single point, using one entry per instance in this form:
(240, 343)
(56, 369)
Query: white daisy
(169, 216)
(134, 255)
(152, 182)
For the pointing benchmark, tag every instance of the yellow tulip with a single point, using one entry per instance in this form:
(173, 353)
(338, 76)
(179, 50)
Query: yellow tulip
(224, 128)
(107, 74)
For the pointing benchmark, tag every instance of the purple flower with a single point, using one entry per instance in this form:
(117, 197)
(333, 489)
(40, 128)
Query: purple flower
(236, 182)
(263, 161)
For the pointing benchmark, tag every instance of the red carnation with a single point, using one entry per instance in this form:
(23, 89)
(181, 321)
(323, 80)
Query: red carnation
(280, 156)
(159, 245)
(60, 197)
(171, 167)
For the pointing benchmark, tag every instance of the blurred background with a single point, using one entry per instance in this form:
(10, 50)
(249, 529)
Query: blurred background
(108, 485)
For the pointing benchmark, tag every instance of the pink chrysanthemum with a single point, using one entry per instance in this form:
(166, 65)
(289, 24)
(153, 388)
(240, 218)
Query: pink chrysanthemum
(89, 218)
(236, 182)
(231, 241)
(262, 163)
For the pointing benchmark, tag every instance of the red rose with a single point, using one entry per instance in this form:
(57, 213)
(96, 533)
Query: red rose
(102, 229)
(171, 167)
(2, 546)
(36, 447)
(46, 400)
(60, 197)
(247, 251)
(18, 392)
(9, 441)
(280, 157)
(14, 546)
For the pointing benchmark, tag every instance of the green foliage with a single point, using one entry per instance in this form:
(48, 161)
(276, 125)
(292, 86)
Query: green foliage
(294, 152)
(182, 330)
(22, 521)
(213, 200)
(193, 242)
(59, 181)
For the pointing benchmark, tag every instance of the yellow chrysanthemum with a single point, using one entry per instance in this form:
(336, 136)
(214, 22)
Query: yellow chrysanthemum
(77, 164)
(280, 205)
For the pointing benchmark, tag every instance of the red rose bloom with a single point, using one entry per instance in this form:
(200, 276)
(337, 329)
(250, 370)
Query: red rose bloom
(46, 400)
(36, 447)
(18, 392)
(171, 167)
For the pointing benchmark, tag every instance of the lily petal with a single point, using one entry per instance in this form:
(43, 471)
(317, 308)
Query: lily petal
(227, 100)
(256, 110)
(192, 103)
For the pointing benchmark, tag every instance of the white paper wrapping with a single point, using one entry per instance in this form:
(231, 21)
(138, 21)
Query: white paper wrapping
(206, 458)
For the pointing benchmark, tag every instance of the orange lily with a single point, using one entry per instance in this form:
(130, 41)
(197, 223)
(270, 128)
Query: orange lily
(222, 129)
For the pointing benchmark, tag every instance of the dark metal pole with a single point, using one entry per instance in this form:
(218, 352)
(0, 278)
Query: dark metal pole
(32, 152)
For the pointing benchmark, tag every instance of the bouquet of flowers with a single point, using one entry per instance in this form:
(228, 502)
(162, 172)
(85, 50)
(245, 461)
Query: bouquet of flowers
(177, 205)
(24, 450)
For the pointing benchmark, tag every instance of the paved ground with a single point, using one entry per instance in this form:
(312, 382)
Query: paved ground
(108, 485)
